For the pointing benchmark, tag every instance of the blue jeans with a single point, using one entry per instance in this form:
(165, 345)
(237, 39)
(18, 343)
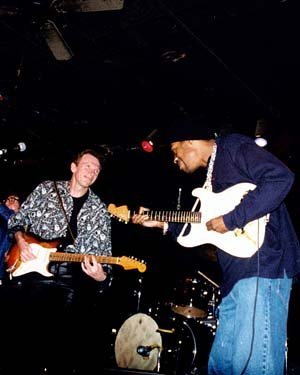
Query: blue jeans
(252, 329)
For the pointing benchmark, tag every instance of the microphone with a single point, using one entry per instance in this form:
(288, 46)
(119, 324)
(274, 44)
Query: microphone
(145, 350)
(20, 147)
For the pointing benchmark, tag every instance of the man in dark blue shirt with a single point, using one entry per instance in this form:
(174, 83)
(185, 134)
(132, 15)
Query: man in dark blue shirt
(244, 215)
(10, 205)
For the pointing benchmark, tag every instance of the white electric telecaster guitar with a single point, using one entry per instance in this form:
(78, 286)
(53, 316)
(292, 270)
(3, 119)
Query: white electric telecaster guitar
(243, 242)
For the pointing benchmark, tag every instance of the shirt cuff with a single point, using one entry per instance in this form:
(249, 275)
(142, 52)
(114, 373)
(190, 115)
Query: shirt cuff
(165, 228)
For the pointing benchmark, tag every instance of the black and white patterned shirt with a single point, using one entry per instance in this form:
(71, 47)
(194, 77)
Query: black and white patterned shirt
(42, 215)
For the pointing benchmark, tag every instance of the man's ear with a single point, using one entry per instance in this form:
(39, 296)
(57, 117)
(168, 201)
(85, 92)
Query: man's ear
(73, 167)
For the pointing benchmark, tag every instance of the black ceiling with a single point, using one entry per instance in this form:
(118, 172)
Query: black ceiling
(137, 68)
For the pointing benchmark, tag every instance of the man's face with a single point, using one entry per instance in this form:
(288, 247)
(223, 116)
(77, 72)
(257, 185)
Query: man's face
(13, 202)
(190, 155)
(86, 170)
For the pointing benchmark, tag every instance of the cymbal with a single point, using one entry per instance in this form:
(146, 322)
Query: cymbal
(189, 311)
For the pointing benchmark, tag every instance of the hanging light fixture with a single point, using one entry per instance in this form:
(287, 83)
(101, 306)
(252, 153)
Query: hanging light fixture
(55, 41)
(147, 144)
(87, 5)
(260, 132)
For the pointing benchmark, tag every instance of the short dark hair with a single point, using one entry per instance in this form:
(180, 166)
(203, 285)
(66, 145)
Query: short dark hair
(12, 196)
(90, 151)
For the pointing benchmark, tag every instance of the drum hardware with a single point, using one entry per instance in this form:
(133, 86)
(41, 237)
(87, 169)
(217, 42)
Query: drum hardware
(191, 301)
(163, 330)
(211, 320)
(212, 305)
(211, 324)
(138, 293)
(208, 279)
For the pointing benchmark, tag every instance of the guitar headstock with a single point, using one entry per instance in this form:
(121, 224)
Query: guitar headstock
(122, 213)
(131, 264)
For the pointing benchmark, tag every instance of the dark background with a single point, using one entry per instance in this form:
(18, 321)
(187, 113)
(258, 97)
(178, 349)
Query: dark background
(138, 68)
(134, 70)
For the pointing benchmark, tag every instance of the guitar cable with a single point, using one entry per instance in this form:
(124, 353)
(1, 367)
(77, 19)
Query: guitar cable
(255, 303)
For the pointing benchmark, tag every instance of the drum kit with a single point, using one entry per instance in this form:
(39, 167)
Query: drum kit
(174, 337)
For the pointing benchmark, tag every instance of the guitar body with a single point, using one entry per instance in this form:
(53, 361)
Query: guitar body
(39, 264)
(41, 249)
(241, 243)
(46, 252)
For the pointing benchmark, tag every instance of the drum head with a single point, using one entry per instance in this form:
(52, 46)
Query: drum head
(138, 330)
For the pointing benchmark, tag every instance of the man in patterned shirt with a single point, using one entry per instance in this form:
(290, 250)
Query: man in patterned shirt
(71, 212)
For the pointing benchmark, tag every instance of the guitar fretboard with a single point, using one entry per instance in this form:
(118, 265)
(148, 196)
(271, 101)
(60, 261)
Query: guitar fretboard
(175, 216)
(70, 257)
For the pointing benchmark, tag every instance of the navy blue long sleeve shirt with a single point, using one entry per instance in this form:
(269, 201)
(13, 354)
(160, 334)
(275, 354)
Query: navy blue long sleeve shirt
(5, 240)
(238, 160)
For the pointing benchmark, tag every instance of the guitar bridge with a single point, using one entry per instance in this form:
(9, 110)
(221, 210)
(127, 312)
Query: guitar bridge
(239, 232)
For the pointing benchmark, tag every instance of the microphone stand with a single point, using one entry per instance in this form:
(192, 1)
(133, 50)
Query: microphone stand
(138, 293)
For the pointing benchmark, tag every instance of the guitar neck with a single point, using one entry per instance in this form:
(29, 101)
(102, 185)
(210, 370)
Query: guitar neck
(123, 214)
(175, 216)
(71, 257)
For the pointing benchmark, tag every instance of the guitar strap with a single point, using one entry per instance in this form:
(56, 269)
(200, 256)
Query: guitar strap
(206, 185)
(64, 211)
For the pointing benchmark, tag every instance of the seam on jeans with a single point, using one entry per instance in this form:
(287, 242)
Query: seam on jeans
(266, 331)
(281, 294)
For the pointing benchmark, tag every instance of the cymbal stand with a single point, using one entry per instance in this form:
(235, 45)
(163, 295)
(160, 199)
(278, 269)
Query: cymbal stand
(158, 360)
(208, 279)
(138, 293)
(212, 305)
(211, 320)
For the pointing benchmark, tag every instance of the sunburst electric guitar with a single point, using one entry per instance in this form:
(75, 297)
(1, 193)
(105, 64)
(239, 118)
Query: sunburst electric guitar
(241, 242)
(46, 252)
